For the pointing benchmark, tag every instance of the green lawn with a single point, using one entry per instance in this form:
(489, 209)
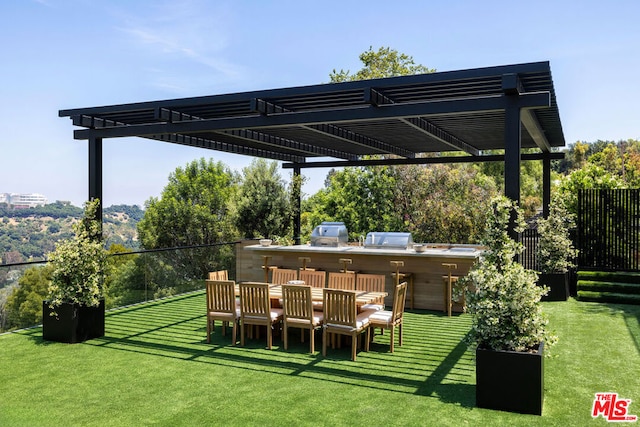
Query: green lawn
(154, 367)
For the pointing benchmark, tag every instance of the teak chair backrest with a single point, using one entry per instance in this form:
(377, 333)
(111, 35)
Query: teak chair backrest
(345, 281)
(399, 298)
(370, 282)
(255, 305)
(219, 275)
(297, 302)
(316, 279)
(280, 276)
(339, 308)
(221, 296)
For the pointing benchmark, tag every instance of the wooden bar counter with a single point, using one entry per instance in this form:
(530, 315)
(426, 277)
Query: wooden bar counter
(425, 267)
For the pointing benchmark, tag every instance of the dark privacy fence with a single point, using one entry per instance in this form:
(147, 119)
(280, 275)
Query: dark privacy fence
(608, 229)
(529, 238)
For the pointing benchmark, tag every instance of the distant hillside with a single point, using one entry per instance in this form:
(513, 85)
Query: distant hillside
(31, 233)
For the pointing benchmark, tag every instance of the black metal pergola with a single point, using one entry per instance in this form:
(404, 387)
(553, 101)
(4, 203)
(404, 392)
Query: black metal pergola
(508, 108)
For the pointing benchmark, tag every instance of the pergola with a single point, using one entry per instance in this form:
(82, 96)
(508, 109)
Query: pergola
(402, 118)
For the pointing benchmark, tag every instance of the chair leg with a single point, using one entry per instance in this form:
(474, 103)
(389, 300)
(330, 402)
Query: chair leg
(285, 336)
(392, 338)
(234, 332)
(269, 332)
(324, 342)
(366, 346)
(354, 344)
(242, 331)
(311, 339)
(400, 335)
(208, 330)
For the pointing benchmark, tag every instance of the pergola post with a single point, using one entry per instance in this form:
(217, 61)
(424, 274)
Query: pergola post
(95, 173)
(546, 184)
(297, 199)
(512, 140)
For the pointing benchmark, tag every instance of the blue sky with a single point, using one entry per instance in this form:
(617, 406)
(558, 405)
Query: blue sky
(59, 54)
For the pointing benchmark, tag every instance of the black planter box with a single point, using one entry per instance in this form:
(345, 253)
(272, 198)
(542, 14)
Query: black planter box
(558, 284)
(73, 324)
(510, 380)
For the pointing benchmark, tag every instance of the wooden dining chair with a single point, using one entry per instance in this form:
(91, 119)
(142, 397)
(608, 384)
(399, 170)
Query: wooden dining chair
(281, 276)
(255, 309)
(298, 313)
(371, 283)
(219, 275)
(313, 278)
(221, 305)
(386, 319)
(341, 318)
(345, 281)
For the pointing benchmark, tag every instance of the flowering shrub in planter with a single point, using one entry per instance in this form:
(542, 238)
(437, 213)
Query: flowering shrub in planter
(78, 267)
(504, 302)
(555, 252)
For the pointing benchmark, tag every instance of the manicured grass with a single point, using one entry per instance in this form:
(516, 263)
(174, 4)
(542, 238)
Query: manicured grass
(154, 367)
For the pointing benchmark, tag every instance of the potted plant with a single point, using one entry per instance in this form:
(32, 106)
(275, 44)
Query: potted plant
(555, 252)
(508, 326)
(74, 310)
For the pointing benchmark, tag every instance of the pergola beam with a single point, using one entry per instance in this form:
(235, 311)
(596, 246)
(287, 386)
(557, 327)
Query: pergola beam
(440, 107)
(421, 161)
(269, 108)
(376, 98)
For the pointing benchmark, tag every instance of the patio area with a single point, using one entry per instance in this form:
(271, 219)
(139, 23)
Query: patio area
(154, 367)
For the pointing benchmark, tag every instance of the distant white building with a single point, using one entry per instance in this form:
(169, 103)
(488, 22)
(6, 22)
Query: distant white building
(19, 201)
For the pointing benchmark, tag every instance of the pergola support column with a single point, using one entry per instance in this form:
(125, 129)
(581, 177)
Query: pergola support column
(546, 184)
(95, 173)
(297, 199)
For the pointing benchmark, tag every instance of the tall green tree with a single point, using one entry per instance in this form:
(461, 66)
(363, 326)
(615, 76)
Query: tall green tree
(193, 209)
(362, 198)
(24, 305)
(385, 62)
(262, 203)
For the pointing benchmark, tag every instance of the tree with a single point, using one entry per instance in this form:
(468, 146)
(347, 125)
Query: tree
(362, 198)
(262, 206)
(24, 305)
(193, 210)
(386, 62)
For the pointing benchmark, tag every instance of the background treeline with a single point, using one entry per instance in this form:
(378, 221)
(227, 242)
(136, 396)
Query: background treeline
(206, 203)
(29, 234)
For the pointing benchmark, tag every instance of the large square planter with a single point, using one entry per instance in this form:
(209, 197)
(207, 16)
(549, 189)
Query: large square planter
(73, 324)
(510, 380)
(558, 284)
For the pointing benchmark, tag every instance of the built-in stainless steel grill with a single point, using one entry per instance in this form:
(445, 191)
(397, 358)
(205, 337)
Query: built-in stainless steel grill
(330, 234)
(388, 240)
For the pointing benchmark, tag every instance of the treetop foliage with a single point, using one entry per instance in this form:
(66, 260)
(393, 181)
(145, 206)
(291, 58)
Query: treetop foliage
(385, 62)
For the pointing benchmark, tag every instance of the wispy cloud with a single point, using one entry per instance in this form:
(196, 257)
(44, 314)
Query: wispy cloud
(179, 34)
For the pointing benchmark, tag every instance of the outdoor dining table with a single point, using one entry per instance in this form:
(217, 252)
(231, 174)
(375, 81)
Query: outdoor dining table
(317, 295)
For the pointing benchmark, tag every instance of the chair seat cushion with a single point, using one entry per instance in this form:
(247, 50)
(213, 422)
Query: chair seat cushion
(275, 314)
(362, 321)
(375, 307)
(381, 317)
(223, 315)
(317, 319)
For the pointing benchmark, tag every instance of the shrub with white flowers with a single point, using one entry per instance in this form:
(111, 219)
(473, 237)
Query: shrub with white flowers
(502, 295)
(79, 264)
(555, 252)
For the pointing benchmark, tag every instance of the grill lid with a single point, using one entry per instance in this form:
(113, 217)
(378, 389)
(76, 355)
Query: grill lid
(329, 234)
(388, 239)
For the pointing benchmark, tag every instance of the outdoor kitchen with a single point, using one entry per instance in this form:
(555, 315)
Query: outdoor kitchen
(424, 264)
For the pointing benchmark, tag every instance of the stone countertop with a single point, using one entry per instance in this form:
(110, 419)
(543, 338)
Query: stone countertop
(455, 251)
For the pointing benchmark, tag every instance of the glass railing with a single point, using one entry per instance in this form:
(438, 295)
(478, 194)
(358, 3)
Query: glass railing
(131, 277)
